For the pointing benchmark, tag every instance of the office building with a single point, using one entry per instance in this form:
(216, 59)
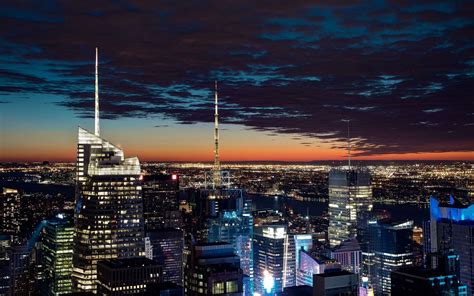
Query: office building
(11, 204)
(309, 265)
(109, 207)
(420, 281)
(213, 268)
(57, 255)
(4, 265)
(349, 255)
(452, 230)
(271, 264)
(392, 246)
(161, 201)
(167, 246)
(350, 198)
(335, 283)
(126, 276)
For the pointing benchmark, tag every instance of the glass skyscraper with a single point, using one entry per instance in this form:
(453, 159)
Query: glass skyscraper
(350, 198)
(452, 229)
(57, 245)
(392, 246)
(109, 208)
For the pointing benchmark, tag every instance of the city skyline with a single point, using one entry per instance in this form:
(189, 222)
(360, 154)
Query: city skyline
(289, 75)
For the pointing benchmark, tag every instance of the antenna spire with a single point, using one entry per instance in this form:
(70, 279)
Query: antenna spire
(96, 115)
(348, 143)
(217, 165)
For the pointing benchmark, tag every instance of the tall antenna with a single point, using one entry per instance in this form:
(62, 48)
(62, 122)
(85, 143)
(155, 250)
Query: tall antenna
(96, 115)
(348, 143)
(217, 165)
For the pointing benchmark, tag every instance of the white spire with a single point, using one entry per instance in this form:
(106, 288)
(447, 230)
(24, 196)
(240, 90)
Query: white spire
(217, 165)
(96, 115)
(348, 143)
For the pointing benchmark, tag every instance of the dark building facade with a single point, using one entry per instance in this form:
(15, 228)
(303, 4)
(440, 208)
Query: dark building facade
(161, 201)
(336, 283)
(167, 247)
(392, 246)
(213, 269)
(418, 281)
(126, 276)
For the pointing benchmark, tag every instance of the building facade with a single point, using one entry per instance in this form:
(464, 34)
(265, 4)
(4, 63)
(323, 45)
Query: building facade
(392, 246)
(109, 209)
(58, 236)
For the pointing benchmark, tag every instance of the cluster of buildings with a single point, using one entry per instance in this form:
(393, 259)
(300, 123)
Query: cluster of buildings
(129, 234)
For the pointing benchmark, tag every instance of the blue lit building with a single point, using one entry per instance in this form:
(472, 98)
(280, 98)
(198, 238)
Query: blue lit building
(452, 230)
(229, 219)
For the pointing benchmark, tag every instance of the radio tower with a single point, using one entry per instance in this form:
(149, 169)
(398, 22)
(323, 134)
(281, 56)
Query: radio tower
(217, 165)
(348, 143)
(96, 115)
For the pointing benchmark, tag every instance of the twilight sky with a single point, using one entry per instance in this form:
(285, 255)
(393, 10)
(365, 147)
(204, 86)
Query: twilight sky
(289, 72)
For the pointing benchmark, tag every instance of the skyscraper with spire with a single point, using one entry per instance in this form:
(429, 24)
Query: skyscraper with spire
(217, 174)
(108, 220)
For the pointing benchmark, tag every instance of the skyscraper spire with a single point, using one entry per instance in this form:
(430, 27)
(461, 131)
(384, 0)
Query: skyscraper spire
(217, 165)
(348, 143)
(96, 115)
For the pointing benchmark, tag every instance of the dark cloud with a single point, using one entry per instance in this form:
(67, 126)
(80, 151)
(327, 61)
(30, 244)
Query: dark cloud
(402, 72)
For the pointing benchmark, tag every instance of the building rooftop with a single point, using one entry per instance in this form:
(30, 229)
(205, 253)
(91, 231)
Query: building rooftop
(334, 273)
(128, 262)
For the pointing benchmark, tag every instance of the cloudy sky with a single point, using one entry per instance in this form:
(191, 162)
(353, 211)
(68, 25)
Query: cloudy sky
(290, 73)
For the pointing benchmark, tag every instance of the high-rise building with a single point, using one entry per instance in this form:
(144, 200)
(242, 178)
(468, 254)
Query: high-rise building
(11, 203)
(392, 246)
(293, 245)
(452, 230)
(337, 282)
(350, 198)
(349, 254)
(5, 272)
(161, 201)
(270, 258)
(167, 246)
(310, 265)
(420, 281)
(213, 268)
(126, 276)
(57, 251)
(109, 206)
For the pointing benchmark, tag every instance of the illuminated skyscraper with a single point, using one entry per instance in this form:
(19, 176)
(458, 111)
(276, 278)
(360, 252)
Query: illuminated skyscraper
(392, 245)
(270, 246)
(11, 203)
(452, 230)
(109, 207)
(57, 244)
(350, 197)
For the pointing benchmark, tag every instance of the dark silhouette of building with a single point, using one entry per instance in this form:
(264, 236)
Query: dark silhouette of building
(336, 283)
(213, 268)
(166, 248)
(161, 201)
(126, 276)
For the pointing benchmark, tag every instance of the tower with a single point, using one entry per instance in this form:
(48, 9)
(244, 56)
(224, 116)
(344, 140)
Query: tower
(217, 178)
(108, 219)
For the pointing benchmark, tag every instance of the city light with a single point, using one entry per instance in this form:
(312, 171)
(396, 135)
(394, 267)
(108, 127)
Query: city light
(268, 281)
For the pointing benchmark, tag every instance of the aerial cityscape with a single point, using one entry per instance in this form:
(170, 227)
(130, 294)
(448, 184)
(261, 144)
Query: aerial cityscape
(237, 148)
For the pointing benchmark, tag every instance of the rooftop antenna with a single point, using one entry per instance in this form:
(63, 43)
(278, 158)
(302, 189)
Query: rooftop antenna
(96, 115)
(217, 165)
(348, 143)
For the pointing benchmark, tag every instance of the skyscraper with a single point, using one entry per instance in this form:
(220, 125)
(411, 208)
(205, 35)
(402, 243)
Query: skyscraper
(160, 201)
(109, 208)
(213, 268)
(270, 258)
(10, 203)
(452, 229)
(349, 255)
(167, 249)
(350, 198)
(57, 244)
(392, 246)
